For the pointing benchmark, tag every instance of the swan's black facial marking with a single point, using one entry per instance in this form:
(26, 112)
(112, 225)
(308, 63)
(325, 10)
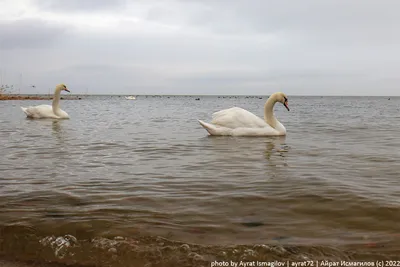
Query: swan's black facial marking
(65, 88)
(286, 103)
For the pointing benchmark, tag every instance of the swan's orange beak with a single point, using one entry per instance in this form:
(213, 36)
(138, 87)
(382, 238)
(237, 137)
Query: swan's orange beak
(67, 90)
(286, 104)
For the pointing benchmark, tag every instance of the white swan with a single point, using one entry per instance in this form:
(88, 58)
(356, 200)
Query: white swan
(240, 122)
(47, 111)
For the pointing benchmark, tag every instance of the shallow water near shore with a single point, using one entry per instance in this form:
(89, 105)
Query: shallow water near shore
(142, 178)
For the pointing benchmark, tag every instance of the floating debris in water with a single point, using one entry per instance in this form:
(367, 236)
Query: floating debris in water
(278, 238)
(282, 150)
(253, 224)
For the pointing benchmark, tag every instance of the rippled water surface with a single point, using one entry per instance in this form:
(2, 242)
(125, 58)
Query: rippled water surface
(146, 167)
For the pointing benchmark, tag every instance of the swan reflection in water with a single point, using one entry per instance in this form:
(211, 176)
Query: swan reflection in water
(43, 127)
(57, 130)
(247, 150)
(276, 152)
(276, 146)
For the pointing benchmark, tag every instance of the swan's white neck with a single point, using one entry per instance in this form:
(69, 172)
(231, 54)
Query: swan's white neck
(269, 116)
(56, 101)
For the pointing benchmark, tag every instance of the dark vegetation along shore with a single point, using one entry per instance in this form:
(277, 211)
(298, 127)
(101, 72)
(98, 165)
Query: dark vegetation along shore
(26, 97)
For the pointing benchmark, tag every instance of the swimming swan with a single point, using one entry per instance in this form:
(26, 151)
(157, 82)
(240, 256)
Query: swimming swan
(47, 111)
(240, 122)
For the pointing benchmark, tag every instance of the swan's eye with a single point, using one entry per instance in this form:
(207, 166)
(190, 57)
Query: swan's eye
(285, 99)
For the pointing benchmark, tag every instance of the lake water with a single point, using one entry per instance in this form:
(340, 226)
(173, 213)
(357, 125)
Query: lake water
(142, 175)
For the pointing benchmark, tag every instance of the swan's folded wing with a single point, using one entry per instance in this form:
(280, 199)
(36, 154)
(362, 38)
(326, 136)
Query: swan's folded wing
(38, 111)
(237, 118)
(29, 111)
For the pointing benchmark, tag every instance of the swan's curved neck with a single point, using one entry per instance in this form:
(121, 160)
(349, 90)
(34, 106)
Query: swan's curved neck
(56, 101)
(269, 116)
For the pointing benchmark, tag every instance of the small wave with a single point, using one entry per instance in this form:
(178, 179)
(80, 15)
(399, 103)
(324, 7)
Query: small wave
(19, 242)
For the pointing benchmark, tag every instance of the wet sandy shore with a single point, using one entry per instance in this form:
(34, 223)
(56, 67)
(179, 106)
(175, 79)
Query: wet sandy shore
(157, 251)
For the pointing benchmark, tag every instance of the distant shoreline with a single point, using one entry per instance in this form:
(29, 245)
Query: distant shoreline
(25, 97)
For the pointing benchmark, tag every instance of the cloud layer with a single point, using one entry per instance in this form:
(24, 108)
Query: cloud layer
(310, 47)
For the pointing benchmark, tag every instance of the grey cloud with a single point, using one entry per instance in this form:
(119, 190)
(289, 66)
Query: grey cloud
(264, 82)
(234, 47)
(325, 22)
(29, 34)
(104, 78)
(79, 5)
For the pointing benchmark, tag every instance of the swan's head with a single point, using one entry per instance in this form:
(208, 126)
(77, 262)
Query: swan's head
(281, 97)
(62, 87)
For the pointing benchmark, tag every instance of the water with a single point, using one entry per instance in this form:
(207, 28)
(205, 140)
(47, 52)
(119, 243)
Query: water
(145, 169)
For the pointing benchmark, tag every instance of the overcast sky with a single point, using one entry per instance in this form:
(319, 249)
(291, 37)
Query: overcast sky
(307, 47)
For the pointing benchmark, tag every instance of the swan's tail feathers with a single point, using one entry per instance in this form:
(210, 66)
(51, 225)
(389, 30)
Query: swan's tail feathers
(25, 110)
(211, 129)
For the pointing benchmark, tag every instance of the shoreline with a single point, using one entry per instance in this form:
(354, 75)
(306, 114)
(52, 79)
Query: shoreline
(20, 97)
